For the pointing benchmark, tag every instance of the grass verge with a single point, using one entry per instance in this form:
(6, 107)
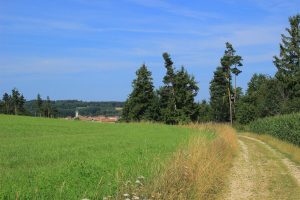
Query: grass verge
(290, 150)
(198, 171)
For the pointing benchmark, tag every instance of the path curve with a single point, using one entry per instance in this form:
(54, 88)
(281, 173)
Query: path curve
(261, 172)
(293, 168)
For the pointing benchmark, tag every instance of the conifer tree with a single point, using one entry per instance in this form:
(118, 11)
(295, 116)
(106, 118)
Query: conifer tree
(39, 103)
(288, 61)
(167, 93)
(47, 108)
(230, 63)
(7, 103)
(219, 96)
(204, 113)
(17, 101)
(186, 90)
(140, 103)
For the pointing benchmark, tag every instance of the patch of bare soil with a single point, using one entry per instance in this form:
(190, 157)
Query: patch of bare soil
(241, 184)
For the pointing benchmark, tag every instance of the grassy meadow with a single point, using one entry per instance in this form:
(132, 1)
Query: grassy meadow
(59, 159)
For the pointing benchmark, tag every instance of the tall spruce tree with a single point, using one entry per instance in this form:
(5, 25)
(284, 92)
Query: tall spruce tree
(186, 90)
(288, 61)
(167, 93)
(6, 103)
(17, 101)
(47, 108)
(140, 104)
(39, 104)
(219, 100)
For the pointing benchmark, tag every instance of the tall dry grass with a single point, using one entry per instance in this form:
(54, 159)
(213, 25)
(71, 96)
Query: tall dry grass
(196, 172)
(289, 149)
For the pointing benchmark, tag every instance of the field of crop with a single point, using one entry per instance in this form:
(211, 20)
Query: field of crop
(284, 127)
(58, 159)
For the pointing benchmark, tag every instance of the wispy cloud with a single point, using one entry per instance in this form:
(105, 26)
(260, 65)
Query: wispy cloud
(176, 9)
(59, 65)
(20, 23)
(258, 58)
(279, 5)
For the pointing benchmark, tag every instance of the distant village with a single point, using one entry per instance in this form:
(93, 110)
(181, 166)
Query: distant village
(100, 118)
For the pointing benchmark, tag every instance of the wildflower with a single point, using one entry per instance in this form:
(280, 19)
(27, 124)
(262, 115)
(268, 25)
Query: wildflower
(135, 198)
(126, 195)
(138, 182)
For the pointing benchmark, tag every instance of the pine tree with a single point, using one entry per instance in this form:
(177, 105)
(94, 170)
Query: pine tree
(7, 103)
(39, 103)
(288, 62)
(204, 113)
(14, 103)
(167, 93)
(15, 100)
(230, 63)
(47, 108)
(140, 104)
(219, 96)
(21, 108)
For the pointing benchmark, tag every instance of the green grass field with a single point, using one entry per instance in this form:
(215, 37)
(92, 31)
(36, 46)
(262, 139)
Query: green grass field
(60, 159)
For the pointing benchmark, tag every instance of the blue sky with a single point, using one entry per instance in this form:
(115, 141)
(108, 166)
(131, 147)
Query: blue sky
(90, 49)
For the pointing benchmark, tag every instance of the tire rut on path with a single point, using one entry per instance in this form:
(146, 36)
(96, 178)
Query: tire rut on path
(293, 168)
(239, 187)
(260, 172)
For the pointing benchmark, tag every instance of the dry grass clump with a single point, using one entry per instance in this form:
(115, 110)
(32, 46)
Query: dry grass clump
(291, 150)
(196, 172)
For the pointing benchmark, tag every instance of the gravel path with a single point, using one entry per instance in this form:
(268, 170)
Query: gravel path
(261, 172)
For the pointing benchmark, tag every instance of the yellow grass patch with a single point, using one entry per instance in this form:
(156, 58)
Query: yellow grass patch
(290, 150)
(196, 172)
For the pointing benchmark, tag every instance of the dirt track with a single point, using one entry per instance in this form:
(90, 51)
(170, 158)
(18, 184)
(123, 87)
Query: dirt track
(261, 172)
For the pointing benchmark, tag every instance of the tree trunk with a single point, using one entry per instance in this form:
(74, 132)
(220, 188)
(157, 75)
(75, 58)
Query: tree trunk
(234, 94)
(230, 106)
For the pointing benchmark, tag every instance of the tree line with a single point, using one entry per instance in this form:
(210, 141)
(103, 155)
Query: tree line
(67, 108)
(15, 104)
(174, 102)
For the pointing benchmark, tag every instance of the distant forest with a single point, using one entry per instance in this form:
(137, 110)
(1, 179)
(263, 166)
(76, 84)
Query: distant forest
(65, 108)
(16, 104)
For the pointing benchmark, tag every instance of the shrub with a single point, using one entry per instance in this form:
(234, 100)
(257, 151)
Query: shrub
(284, 127)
